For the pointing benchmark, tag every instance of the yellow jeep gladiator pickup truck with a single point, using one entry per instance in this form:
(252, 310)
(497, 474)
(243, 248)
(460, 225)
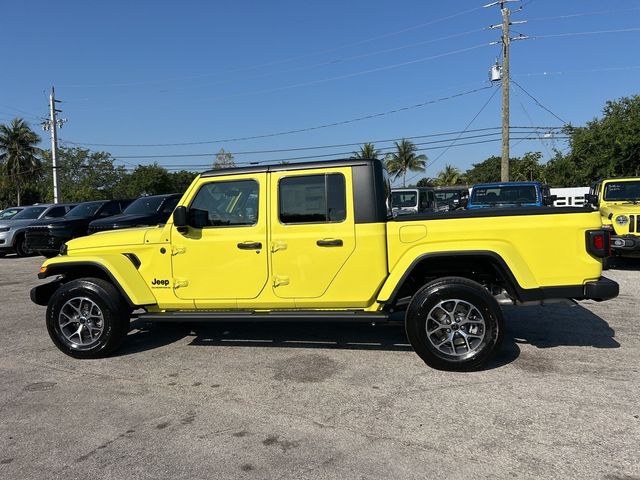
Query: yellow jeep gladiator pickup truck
(618, 200)
(317, 241)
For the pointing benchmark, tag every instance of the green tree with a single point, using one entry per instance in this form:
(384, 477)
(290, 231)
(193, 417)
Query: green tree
(404, 159)
(527, 168)
(83, 175)
(426, 182)
(223, 160)
(561, 171)
(449, 176)
(148, 180)
(608, 146)
(485, 171)
(19, 155)
(367, 152)
(181, 180)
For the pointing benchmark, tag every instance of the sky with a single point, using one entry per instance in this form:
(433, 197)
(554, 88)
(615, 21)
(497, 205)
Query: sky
(209, 74)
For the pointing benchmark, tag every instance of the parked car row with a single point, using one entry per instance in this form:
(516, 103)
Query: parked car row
(43, 229)
(487, 195)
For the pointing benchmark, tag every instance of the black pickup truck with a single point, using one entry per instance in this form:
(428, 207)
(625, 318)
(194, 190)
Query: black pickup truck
(47, 236)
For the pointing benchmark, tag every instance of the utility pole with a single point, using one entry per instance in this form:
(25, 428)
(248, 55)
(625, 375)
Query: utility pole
(504, 77)
(52, 125)
(504, 164)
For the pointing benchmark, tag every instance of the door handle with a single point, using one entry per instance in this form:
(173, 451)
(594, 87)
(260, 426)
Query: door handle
(250, 246)
(329, 243)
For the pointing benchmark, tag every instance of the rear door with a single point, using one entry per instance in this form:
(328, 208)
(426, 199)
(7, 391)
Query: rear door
(312, 230)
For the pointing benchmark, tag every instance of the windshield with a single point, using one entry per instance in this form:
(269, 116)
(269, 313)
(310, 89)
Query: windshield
(144, 205)
(512, 194)
(404, 199)
(9, 213)
(621, 191)
(30, 213)
(447, 196)
(87, 209)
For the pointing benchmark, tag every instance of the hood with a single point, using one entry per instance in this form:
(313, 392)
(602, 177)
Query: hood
(61, 222)
(109, 239)
(14, 224)
(127, 220)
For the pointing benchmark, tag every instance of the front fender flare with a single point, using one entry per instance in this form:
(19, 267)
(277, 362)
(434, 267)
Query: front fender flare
(116, 267)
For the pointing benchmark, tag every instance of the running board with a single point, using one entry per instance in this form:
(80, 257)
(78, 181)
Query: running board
(274, 316)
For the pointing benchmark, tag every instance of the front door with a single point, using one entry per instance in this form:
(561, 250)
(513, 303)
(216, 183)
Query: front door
(222, 254)
(312, 230)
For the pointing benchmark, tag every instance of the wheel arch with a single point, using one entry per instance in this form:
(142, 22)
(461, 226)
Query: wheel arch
(119, 271)
(473, 265)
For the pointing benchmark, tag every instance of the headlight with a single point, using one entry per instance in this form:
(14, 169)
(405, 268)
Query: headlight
(5, 229)
(622, 220)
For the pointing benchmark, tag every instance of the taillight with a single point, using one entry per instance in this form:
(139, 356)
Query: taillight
(598, 243)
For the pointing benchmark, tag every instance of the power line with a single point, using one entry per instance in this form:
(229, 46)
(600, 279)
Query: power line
(286, 60)
(566, 72)
(585, 14)
(287, 132)
(322, 147)
(345, 76)
(595, 32)
(538, 102)
(495, 90)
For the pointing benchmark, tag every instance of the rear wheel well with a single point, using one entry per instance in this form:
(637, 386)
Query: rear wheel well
(486, 270)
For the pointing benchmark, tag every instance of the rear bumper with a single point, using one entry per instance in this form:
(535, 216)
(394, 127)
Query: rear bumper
(625, 244)
(602, 289)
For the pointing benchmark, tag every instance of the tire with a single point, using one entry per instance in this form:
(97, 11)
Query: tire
(438, 333)
(21, 247)
(87, 318)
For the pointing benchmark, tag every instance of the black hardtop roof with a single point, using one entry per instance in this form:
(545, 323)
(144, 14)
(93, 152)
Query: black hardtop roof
(279, 167)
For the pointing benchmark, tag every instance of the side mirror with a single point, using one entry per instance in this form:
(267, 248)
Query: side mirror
(590, 198)
(180, 217)
(549, 199)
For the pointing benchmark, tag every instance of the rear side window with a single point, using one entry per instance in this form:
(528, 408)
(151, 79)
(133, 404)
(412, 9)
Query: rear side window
(312, 199)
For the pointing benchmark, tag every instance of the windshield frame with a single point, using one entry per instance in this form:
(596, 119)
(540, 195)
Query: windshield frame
(605, 190)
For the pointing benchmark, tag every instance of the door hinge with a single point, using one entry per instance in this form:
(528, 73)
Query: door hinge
(180, 282)
(175, 250)
(279, 280)
(278, 245)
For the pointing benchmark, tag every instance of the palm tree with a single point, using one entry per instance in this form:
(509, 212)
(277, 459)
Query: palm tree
(449, 175)
(405, 159)
(18, 153)
(367, 152)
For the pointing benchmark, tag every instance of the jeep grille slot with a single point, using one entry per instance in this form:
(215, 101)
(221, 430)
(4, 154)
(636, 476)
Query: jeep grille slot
(632, 223)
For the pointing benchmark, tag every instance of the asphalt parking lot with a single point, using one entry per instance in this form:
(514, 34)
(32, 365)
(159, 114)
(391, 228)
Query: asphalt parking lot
(283, 401)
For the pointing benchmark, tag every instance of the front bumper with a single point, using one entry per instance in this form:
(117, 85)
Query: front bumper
(625, 244)
(6, 241)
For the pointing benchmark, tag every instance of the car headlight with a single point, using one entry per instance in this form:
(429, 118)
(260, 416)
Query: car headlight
(622, 220)
(5, 229)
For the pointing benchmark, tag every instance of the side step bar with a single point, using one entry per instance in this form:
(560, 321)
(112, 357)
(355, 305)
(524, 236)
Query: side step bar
(274, 316)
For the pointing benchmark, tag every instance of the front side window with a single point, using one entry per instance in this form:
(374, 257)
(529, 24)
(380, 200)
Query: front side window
(312, 199)
(225, 204)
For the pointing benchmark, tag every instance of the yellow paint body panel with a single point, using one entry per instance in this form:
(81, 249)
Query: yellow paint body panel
(541, 250)
(204, 269)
